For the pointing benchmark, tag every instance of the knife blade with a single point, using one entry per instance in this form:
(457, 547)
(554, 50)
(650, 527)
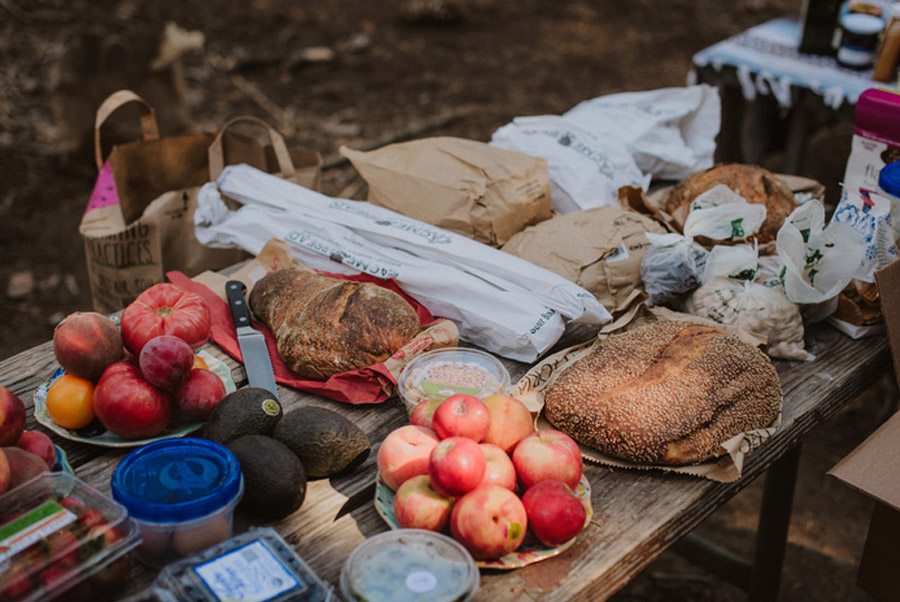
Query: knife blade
(257, 362)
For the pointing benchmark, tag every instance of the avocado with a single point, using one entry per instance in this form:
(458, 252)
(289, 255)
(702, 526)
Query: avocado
(274, 479)
(247, 411)
(326, 442)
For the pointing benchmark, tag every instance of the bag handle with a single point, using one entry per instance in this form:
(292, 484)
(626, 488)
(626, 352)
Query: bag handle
(114, 102)
(282, 156)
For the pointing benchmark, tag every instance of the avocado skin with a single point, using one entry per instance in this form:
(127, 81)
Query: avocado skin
(327, 443)
(241, 413)
(274, 479)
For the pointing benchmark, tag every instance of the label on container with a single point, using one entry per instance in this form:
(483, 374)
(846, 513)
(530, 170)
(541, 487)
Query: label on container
(251, 573)
(32, 526)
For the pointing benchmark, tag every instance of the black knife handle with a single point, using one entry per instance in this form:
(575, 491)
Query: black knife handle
(234, 290)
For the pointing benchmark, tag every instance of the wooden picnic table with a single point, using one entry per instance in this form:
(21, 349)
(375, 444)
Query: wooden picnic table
(637, 514)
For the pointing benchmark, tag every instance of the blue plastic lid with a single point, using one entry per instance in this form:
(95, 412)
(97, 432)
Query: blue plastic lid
(889, 179)
(176, 480)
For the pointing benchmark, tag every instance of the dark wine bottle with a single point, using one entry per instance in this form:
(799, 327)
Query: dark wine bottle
(819, 21)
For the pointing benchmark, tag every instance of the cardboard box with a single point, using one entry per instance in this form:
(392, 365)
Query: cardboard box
(874, 469)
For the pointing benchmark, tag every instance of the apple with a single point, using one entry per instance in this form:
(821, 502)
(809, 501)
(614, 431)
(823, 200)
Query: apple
(85, 343)
(12, 417)
(40, 445)
(128, 405)
(489, 521)
(547, 455)
(418, 505)
(404, 454)
(199, 395)
(555, 514)
(165, 361)
(423, 413)
(511, 421)
(456, 466)
(5, 472)
(499, 469)
(462, 415)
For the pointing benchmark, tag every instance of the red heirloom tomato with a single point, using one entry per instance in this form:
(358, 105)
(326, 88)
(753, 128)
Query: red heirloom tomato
(165, 309)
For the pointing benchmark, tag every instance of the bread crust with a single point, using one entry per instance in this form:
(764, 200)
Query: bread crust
(324, 326)
(668, 393)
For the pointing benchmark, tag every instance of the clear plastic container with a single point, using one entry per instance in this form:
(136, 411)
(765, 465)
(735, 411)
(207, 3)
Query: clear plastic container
(181, 493)
(257, 565)
(61, 538)
(409, 565)
(437, 375)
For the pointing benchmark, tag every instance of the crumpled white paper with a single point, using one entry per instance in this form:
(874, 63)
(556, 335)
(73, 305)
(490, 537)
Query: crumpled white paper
(500, 302)
(670, 132)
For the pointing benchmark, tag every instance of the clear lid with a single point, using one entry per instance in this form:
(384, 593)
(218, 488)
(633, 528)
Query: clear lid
(256, 565)
(409, 565)
(176, 480)
(889, 179)
(57, 532)
(445, 372)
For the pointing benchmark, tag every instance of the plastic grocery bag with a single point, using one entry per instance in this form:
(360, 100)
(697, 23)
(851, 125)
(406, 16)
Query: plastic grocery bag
(818, 262)
(585, 170)
(759, 314)
(869, 215)
(672, 266)
(722, 214)
(671, 132)
(500, 302)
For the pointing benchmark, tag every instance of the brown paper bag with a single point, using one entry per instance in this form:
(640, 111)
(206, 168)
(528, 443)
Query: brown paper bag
(476, 190)
(599, 249)
(139, 222)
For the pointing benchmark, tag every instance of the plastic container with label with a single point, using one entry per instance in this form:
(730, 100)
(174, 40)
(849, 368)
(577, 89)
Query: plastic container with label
(859, 40)
(437, 375)
(256, 566)
(62, 539)
(889, 184)
(409, 565)
(181, 493)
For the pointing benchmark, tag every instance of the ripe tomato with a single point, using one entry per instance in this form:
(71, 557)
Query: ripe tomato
(70, 401)
(165, 309)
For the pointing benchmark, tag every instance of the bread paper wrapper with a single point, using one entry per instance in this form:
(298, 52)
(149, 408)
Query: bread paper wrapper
(530, 390)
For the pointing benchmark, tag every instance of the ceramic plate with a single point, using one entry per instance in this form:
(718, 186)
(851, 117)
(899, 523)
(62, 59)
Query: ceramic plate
(531, 550)
(62, 461)
(108, 439)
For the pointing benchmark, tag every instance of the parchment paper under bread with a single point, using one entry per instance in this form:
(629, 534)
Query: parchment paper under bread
(530, 390)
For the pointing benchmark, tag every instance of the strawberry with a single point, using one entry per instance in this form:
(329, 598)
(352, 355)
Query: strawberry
(62, 547)
(18, 585)
(52, 576)
(71, 503)
(91, 518)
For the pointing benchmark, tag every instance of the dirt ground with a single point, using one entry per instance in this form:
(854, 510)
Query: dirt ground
(346, 72)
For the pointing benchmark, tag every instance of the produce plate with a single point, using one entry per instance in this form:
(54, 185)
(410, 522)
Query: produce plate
(108, 439)
(62, 461)
(531, 551)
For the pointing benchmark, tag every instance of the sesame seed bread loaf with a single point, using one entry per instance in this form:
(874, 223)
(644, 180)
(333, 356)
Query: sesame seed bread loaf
(667, 393)
(325, 326)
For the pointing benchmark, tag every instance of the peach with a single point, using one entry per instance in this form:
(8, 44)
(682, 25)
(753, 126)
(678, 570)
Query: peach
(5, 472)
(547, 455)
(12, 417)
(489, 521)
(199, 395)
(499, 469)
(40, 445)
(23, 465)
(419, 506)
(511, 421)
(404, 454)
(85, 343)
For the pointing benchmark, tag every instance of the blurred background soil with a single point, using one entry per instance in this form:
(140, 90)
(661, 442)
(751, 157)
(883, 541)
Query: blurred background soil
(347, 72)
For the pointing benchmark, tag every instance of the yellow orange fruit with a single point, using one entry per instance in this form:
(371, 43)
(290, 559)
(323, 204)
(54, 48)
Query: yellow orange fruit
(70, 401)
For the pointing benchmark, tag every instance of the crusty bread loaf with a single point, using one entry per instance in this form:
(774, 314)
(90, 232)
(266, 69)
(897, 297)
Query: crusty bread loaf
(755, 184)
(666, 393)
(324, 325)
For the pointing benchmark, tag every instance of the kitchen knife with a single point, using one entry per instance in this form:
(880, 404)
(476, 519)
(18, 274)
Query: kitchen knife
(257, 363)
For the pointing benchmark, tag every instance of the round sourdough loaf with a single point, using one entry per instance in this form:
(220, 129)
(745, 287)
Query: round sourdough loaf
(667, 393)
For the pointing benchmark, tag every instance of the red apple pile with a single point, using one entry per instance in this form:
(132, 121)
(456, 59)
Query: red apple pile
(462, 465)
(146, 376)
(23, 454)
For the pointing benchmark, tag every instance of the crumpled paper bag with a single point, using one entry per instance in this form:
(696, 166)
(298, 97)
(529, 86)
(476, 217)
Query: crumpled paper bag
(599, 249)
(480, 191)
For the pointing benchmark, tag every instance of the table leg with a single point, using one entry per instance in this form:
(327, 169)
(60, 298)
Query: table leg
(798, 131)
(774, 520)
(728, 143)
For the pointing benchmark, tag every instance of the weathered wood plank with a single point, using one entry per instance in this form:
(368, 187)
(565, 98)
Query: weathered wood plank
(637, 514)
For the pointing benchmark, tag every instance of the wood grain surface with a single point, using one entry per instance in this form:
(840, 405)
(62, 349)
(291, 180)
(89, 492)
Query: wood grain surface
(637, 514)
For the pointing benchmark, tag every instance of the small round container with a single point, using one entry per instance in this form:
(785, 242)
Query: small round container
(409, 565)
(859, 40)
(437, 375)
(181, 493)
